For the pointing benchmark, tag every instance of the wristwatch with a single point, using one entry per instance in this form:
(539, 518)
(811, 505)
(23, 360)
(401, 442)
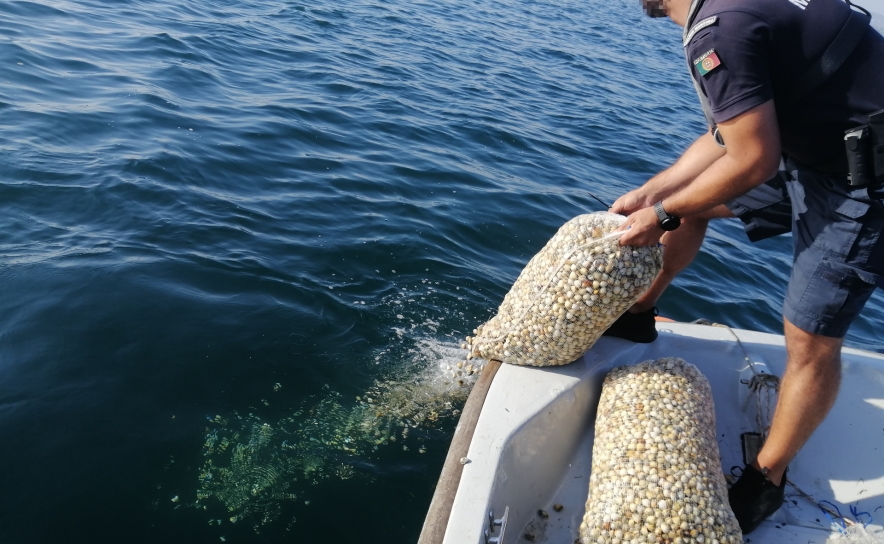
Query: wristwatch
(664, 220)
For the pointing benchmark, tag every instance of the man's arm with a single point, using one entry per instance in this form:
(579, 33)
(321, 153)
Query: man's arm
(752, 157)
(696, 159)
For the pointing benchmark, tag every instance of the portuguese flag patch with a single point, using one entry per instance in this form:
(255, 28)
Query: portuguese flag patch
(707, 62)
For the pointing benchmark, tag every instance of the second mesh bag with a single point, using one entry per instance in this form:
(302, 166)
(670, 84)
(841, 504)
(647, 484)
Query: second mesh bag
(656, 475)
(568, 294)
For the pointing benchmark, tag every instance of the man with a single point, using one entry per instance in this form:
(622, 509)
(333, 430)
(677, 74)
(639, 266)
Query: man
(749, 60)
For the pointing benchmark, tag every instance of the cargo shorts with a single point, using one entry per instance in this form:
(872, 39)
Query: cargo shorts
(838, 243)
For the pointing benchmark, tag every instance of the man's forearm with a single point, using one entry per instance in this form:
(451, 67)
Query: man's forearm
(697, 158)
(701, 155)
(752, 157)
(725, 180)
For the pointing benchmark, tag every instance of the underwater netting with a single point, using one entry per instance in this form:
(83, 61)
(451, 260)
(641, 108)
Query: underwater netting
(656, 474)
(568, 294)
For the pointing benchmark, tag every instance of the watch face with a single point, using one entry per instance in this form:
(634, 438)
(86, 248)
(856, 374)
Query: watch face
(670, 223)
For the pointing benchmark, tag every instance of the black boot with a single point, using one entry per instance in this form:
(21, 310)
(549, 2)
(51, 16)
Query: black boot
(754, 498)
(639, 328)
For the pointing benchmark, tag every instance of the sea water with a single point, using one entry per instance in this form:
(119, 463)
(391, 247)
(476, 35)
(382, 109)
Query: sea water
(242, 242)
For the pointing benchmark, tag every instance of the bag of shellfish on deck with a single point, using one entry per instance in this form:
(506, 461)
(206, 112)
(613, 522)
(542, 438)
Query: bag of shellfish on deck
(568, 294)
(656, 472)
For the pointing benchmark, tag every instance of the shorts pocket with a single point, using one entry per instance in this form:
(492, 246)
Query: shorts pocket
(835, 229)
(831, 299)
(853, 209)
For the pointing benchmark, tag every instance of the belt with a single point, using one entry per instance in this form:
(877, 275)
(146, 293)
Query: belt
(836, 166)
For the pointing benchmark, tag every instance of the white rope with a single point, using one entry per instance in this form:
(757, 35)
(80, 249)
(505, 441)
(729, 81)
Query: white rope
(768, 383)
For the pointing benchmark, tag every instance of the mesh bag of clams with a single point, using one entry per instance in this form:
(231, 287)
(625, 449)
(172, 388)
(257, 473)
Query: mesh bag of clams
(656, 474)
(568, 295)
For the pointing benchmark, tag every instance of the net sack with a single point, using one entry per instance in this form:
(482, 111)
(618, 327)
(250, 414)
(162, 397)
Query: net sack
(656, 474)
(568, 295)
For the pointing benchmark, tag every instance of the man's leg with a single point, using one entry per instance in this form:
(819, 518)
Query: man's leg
(835, 270)
(766, 211)
(682, 246)
(807, 392)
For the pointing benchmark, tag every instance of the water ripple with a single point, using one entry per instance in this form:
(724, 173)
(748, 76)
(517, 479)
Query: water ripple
(188, 186)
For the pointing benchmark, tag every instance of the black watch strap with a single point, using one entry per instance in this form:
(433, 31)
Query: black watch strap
(661, 213)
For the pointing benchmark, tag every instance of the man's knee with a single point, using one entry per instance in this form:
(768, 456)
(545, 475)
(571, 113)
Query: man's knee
(805, 348)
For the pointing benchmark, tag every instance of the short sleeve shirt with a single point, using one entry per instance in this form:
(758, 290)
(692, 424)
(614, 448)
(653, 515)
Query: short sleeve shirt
(758, 48)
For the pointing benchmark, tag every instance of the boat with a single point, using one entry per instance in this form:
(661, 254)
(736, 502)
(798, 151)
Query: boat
(519, 464)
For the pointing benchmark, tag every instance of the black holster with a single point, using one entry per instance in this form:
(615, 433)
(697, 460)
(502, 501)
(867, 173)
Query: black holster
(865, 152)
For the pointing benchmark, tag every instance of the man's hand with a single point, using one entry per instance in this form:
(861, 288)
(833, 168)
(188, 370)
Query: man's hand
(632, 202)
(641, 229)
(696, 159)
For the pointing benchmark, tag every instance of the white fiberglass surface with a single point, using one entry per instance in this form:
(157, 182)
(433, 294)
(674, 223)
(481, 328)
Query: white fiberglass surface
(532, 449)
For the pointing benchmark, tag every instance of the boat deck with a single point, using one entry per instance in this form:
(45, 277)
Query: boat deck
(532, 445)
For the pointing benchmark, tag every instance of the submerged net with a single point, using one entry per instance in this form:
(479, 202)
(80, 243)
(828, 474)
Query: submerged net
(568, 295)
(656, 474)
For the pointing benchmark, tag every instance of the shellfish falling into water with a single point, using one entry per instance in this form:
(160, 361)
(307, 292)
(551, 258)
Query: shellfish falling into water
(253, 467)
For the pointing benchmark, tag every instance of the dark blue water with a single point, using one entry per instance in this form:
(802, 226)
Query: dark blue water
(225, 221)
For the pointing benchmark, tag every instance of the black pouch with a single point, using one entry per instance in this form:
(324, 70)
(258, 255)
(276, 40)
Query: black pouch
(876, 125)
(865, 152)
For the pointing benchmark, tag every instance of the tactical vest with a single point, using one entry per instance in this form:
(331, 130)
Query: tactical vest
(832, 58)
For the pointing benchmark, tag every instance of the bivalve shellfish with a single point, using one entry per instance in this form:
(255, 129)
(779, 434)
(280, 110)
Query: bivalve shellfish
(656, 474)
(567, 295)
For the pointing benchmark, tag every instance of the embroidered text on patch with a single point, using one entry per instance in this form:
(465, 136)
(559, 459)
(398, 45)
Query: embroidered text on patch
(707, 62)
(708, 21)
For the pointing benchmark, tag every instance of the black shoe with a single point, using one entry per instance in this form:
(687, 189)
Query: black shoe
(638, 327)
(754, 498)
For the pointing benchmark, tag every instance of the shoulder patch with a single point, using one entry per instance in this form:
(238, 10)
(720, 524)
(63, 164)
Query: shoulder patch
(707, 62)
(708, 21)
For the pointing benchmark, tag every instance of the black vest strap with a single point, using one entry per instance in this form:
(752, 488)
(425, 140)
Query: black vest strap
(833, 57)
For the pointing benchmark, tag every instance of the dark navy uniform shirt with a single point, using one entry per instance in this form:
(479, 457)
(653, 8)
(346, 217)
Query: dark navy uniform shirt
(762, 46)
